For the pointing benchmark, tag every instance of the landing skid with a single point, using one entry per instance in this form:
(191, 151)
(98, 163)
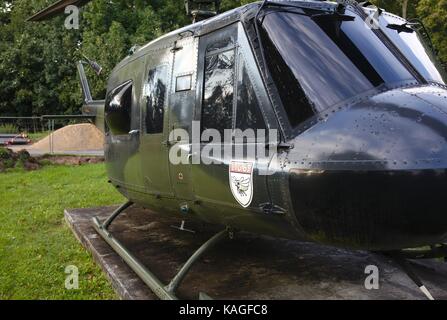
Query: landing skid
(164, 292)
(401, 259)
(168, 292)
(435, 252)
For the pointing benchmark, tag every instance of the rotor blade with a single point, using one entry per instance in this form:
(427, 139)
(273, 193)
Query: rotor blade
(56, 8)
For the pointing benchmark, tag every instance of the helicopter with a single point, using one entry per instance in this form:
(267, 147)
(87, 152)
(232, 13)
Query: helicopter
(350, 103)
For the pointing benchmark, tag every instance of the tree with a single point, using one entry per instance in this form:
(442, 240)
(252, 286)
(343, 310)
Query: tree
(30, 71)
(38, 60)
(406, 8)
(434, 15)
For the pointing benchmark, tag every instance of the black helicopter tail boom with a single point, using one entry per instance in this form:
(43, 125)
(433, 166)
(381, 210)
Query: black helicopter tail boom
(84, 83)
(90, 107)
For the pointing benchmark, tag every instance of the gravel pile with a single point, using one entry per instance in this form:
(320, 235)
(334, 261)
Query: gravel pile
(78, 137)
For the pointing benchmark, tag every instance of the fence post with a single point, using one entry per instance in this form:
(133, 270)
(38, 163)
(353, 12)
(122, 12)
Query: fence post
(52, 136)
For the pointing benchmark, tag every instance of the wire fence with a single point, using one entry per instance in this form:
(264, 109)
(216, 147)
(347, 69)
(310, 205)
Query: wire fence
(35, 125)
(11, 125)
(26, 130)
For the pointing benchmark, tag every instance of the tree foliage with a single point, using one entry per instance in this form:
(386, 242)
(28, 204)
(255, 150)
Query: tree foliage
(38, 60)
(434, 15)
(396, 6)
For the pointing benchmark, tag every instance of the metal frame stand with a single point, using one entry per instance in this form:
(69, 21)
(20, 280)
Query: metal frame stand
(164, 292)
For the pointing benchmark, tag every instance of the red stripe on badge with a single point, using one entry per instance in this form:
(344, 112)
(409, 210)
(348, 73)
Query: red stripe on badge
(241, 167)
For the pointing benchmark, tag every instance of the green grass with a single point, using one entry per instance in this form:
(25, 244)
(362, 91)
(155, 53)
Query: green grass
(8, 128)
(36, 244)
(34, 137)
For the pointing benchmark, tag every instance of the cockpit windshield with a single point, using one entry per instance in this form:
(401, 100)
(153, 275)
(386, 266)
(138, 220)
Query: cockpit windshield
(407, 36)
(318, 60)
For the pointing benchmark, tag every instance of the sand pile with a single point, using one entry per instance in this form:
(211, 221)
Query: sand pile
(78, 137)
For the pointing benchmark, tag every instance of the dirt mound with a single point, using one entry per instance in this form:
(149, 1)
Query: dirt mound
(70, 160)
(22, 159)
(78, 137)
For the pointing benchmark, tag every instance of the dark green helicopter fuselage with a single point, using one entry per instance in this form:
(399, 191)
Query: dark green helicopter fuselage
(362, 124)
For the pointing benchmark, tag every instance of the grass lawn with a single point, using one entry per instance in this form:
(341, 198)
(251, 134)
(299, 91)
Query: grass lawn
(34, 137)
(35, 243)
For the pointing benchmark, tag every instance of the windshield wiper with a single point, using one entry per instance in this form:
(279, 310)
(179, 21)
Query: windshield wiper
(424, 32)
(335, 18)
(407, 27)
(414, 25)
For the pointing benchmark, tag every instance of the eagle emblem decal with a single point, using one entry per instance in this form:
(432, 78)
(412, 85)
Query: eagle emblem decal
(241, 182)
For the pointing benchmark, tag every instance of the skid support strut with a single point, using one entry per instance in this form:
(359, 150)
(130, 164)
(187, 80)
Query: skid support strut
(406, 267)
(164, 292)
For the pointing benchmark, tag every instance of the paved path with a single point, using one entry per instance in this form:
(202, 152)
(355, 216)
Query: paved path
(36, 153)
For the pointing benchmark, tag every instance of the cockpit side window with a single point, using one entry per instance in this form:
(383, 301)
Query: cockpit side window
(118, 109)
(248, 112)
(295, 102)
(218, 93)
(155, 91)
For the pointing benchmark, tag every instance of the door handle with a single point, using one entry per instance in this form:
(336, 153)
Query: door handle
(281, 145)
(170, 143)
(190, 155)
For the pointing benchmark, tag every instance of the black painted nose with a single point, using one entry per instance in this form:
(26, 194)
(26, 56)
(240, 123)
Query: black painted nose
(375, 210)
(373, 175)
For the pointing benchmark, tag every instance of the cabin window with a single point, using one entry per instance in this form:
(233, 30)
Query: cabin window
(248, 112)
(118, 109)
(223, 44)
(218, 95)
(155, 92)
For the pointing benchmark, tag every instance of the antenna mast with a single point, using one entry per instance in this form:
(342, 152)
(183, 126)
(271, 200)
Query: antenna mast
(202, 9)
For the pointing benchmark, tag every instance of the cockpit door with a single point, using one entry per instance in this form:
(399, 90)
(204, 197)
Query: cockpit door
(181, 107)
(154, 131)
(230, 176)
